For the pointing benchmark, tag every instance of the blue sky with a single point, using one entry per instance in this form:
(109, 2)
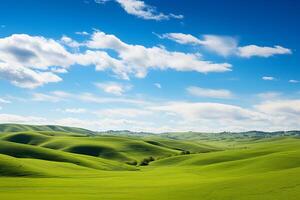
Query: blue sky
(151, 65)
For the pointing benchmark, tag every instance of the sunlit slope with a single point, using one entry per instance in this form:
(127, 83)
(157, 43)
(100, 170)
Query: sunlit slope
(35, 152)
(31, 167)
(66, 167)
(183, 145)
(126, 150)
(46, 128)
(263, 170)
(259, 156)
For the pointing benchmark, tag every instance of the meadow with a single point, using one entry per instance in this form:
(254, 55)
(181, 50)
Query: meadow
(51, 162)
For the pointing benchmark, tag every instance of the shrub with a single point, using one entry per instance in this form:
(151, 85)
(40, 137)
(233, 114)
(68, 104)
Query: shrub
(185, 152)
(146, 161)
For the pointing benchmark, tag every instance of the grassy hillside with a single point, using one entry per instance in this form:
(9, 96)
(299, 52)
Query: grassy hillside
(44, 128)
(48, 164)
(55, 147)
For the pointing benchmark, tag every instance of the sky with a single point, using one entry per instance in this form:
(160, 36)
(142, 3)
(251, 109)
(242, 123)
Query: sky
(154, 66)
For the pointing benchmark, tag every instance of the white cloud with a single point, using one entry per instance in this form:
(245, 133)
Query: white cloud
(293, 81)
(212, 93)
(69, 42)
(34, 52)
(287, 108)
(195, 111)
(268, 78)
(105, 124)
(11, 118)
(58, 70)
(181, 38)
(122, 113)
(4, 101)
(101, 1)
(75, 110)
(88, 97)
(140, 9)
(54, 96)
(137, 59)
(269, 95)
(26, 60)
(26, 78)
(114, 87)
(82, 33)
(253, 50)
(211, 117)
(32, 61)
(57, 96)
(224, 45)
(268, 115)
(158, 85)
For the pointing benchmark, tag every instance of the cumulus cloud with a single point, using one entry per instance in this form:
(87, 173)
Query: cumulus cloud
(32, 61)
(114, 87)
(26, 60)
(211, 93)
(137, 59)
(142, 10)
(293, 81)
(285, 112)
(25, 77)
(34, 52)
(225, 45)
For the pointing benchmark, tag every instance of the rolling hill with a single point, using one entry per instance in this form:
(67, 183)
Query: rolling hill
(47, 162)
(43, 128)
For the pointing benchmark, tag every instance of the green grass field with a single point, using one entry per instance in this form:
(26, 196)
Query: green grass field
(43, 163)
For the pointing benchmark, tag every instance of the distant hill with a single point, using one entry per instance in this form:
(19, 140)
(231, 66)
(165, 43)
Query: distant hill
(204, 136)
(228, 135)
(48, 128)
(168, 135)
(126, 133)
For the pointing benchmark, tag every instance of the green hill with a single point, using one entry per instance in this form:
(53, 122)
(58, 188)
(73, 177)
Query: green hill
(45, 128)
(122, 149)
(42, 163)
